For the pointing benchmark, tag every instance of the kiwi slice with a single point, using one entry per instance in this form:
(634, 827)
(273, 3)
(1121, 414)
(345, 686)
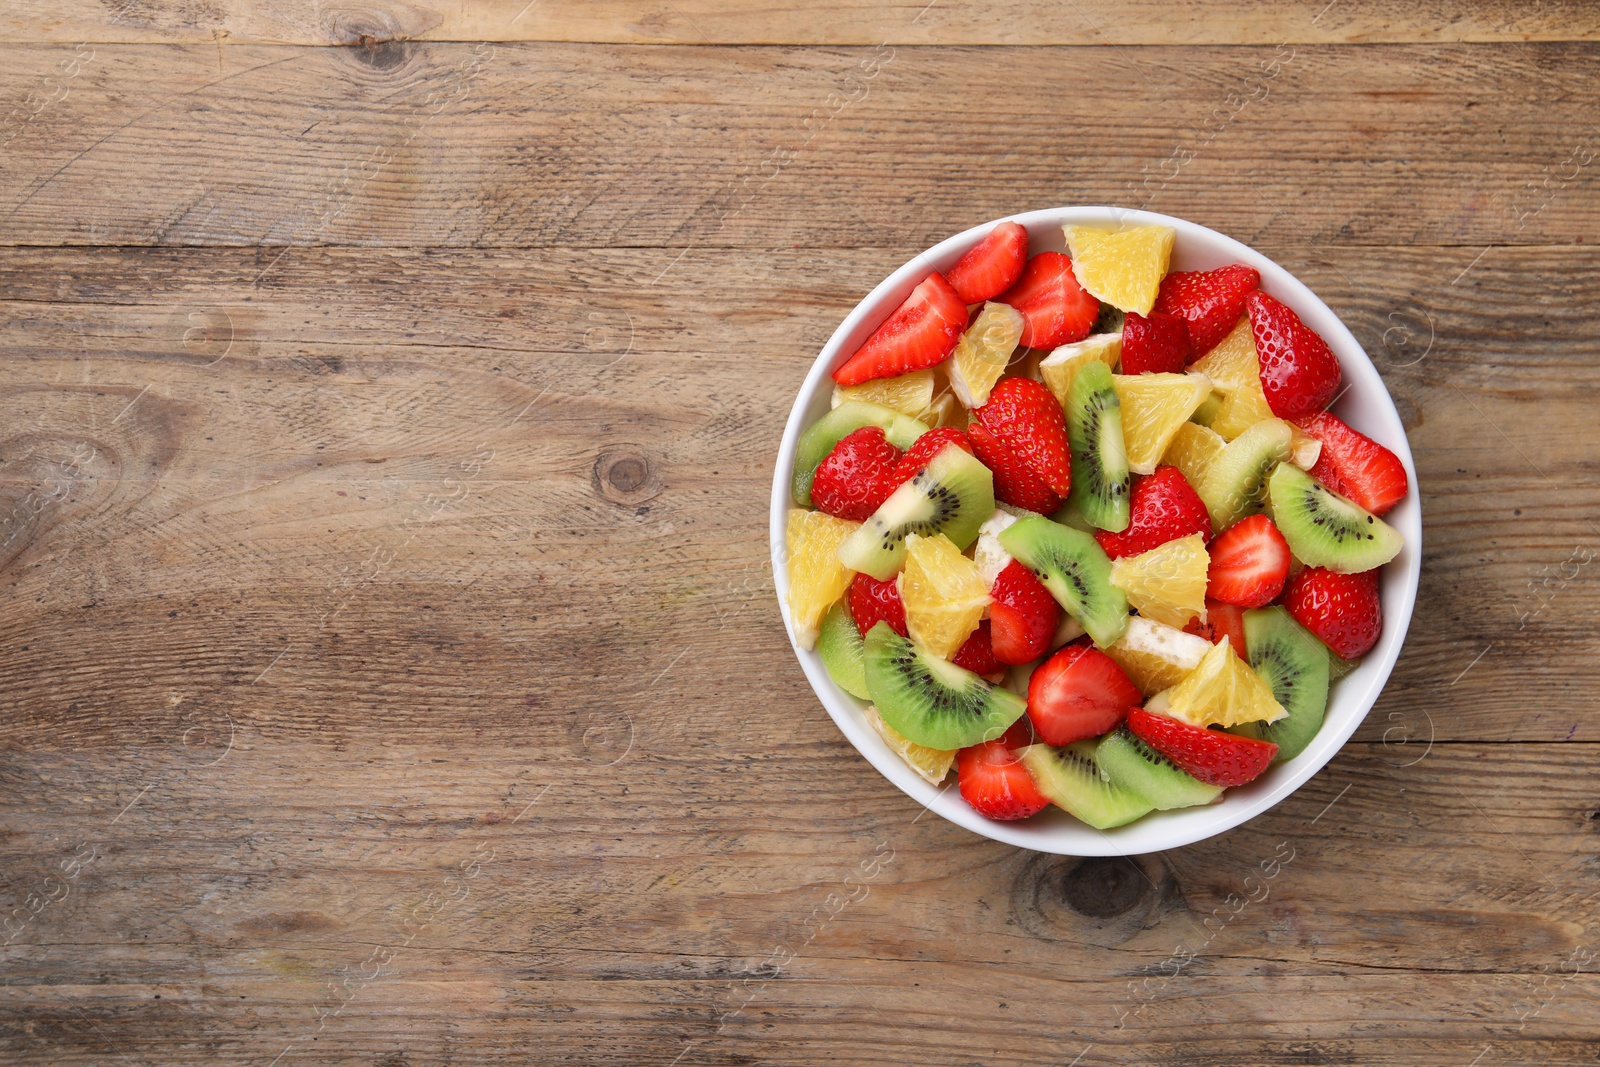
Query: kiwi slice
(840, 645)
(1294, 664)
(1075, 569)
(820, 437)
(1208, 410)
(1074, 781)
(1140, 769)
(932, 701)
(1326, 530)
(1099, 457)
(953, 495)
(1235, 483)
(1109, 320)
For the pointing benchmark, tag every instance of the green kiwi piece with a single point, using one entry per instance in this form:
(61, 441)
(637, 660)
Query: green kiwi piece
(1068, 515)
(1234, 485)
(953, 495)
(1099, 456)
(1208, 410)
(1326, 530)
(1140, 769)
(841, 647)
(1074, 781)
(1075, 569)
(1294, 664)
(1338, 666)
(820, 437)
(1109, 320)
(932, 701)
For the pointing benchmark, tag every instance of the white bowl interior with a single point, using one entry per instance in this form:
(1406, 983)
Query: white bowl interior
(1365, 405)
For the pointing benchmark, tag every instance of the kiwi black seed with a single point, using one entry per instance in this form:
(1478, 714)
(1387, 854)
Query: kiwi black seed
(929, 700)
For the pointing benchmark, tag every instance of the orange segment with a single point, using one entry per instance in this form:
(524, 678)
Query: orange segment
(980, 357)
(1235, 371)
(909, 393)
(943, 592)
(932, 763)
(816, 577)
(1223, 691)
(1167, 583)
(1123, 267)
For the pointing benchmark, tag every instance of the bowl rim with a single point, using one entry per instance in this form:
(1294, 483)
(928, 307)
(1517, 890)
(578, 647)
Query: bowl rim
(1354, 695)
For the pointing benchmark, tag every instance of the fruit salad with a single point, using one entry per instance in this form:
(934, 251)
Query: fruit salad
(1082, 531)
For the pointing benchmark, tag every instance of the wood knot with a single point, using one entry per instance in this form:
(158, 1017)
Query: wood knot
(374, 38)
(625, 477)
(1100, 900)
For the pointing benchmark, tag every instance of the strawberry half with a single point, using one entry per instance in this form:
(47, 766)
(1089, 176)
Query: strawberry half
(1055, 308)
(872, 602)
(1210, 301)
(920, 333)
(1015, 482)
(1249, 564)
(1222, 620)
(976, 654)
(1079, 692)
(996, 783)
(1028, 420)
(1023, 616)
(1157, 343)
(1212, 756)
(1344, 610)
(1354, 465)
(853, 479)
(922, 451)
(1163, 507)
(991, 266)
(1299, 372)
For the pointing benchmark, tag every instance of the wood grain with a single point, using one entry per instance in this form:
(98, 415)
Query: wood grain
(390, 672)
(810, 22)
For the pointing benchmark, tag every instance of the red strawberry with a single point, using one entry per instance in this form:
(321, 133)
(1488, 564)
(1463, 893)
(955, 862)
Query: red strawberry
(1015, 483)
(1079, 692)
(977, 653)
(1212, 756)
(1055, 309)
(1020, 735)
(991, 266)
(1342, 609)
(920, 333)
(1162, 508)
(1249, 563)
(1157, 343)
(1354, 465)
(1222, 620)
(872, 602)
(922, 451)
(855, 477)
(1299, 372)
(1028, 420)
(1023, 615)
(996, 783)
(1210, 301)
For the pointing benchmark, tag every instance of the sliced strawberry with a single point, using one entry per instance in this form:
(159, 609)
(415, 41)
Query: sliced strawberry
(853, 479)
(1249, 563)
(1299, 372)
(1163, 507)
(1028, 420)
(920, 333)
(1023, 615)
(1222, 620)
(996, 783)
(1214, 757)
(1344, 610)
(1157, 343)
(872, 602)
(1079, 692)
(976, 654)
(1354, 465)
(1015, 482)
(1019, 735)
(991, 266)
(922, 451)
(1210, 301)
(1055, 309)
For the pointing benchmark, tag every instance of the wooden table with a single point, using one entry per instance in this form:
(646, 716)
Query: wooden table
(390, 664)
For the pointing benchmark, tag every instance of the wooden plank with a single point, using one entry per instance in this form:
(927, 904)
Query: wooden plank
(814, 913)
(1093, 22)
(232, 416)
(526, 145)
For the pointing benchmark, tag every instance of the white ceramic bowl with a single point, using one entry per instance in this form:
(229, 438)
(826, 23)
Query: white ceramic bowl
(1365, 405)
